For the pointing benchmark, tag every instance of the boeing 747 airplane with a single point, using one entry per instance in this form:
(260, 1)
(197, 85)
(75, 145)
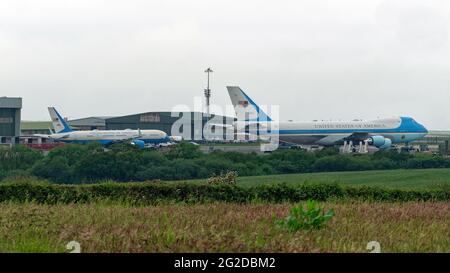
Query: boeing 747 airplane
(63, 133)
(381, 133)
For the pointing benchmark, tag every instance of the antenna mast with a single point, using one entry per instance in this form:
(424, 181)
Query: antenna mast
(208, 91)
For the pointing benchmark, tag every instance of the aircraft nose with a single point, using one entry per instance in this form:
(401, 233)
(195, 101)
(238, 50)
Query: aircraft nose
(425, 130)
(165, 136)
(422, 128)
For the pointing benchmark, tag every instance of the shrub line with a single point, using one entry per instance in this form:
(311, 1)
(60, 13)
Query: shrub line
(146, 193)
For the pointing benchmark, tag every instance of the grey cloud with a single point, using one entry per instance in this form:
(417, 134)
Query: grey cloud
(316, 59)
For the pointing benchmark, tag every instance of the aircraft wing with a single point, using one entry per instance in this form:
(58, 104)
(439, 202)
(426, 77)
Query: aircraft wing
(42, 135)
(339, 138)
(358, 136)
(130, 139)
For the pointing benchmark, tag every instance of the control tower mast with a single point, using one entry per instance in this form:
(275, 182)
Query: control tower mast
(208, 91)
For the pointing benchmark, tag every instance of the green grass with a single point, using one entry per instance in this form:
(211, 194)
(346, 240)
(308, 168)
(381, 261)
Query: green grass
(219, 227)
(400, 179)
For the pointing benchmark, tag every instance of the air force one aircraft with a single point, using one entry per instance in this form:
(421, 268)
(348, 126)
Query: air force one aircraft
(381, 133)
(63, 133)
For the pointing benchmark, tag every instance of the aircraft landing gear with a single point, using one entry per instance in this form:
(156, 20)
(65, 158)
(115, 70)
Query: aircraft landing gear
(348, 147)
(361, 148)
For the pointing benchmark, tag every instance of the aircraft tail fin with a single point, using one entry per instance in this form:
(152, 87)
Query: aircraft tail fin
(245, 108)
(59, 123)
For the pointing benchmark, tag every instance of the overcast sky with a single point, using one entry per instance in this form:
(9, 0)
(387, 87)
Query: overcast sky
(316, 59)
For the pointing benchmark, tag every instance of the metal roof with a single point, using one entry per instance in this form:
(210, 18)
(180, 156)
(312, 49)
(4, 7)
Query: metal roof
(195, 114)
(35, 125)
(438, 134)
(6, 102)
(89, 121)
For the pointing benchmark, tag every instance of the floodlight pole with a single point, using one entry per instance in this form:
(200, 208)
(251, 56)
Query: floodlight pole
(207, 91)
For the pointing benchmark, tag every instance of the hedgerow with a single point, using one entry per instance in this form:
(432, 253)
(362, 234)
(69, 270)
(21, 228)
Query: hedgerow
(147, 193)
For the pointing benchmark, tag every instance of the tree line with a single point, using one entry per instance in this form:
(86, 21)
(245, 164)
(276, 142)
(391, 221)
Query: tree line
(92, 163)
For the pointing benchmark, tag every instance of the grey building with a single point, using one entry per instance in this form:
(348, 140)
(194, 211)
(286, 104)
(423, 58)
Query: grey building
(438, 141)
(10, 111)
(90, 123)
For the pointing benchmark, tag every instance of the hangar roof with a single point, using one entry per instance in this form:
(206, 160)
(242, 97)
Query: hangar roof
(35, 125)
(6, 102)
(167, 114)
(89, 121)
(438, 134)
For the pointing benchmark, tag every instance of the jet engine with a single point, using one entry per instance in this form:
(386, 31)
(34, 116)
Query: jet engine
(380, 142)
(138, 143)
(387, 144)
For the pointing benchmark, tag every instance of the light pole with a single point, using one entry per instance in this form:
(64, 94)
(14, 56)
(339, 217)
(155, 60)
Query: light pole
(207, 91)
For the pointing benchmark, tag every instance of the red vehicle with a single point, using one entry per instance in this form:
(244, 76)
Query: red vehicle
(44, 146)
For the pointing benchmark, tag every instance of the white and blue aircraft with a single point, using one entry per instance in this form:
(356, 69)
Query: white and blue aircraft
(140, 138)
(381, 133)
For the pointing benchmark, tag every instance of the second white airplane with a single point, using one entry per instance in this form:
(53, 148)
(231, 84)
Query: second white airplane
(140, 138)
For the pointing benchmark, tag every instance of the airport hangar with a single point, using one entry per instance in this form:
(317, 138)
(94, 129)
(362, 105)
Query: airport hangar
(10, 110)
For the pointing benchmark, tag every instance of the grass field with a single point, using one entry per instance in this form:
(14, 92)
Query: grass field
(228, 227)
(398, 227)
(402, 179)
